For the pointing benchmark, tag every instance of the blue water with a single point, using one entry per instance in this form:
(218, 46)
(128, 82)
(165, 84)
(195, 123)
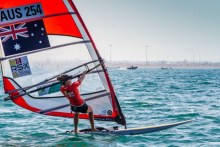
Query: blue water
(147, 97)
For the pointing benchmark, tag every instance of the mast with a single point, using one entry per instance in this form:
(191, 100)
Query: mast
(86, 35)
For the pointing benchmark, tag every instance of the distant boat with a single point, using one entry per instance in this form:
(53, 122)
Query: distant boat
(166, 68)
(132, 67)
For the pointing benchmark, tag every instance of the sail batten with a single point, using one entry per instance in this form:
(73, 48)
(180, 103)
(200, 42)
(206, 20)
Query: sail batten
(43, 49)
(36, 18)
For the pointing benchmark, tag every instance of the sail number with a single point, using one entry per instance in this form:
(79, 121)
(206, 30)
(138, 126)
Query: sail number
(32, 10)
(21, 13)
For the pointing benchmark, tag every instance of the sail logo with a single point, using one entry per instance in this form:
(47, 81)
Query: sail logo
(21, 13)
(13, 32)
(24, 37)
(20, 67)
(48, 90)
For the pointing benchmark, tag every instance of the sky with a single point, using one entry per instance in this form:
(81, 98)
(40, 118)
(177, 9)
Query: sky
(161, 30)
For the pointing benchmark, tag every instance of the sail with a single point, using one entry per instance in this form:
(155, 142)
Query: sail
(39, 41)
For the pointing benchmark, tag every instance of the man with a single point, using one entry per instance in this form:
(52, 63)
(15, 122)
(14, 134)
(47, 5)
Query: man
(78, 105)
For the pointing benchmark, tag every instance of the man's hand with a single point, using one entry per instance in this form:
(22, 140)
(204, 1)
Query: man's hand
(82, 76)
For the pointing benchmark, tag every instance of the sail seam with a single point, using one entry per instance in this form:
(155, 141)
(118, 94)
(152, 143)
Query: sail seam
(66, 105)
(44, 49)
(37, 18)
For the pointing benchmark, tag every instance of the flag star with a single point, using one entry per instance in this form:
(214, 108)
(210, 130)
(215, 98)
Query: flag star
(42, 29)
(32, 34)
(35, 25)
(42, 34)
(40, 41)
(17, 47)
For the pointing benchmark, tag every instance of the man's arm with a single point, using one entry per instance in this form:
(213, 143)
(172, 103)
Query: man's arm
(81, 78)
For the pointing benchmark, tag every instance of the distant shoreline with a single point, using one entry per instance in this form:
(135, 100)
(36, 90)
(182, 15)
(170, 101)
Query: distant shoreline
(126, 64)
(166, 65)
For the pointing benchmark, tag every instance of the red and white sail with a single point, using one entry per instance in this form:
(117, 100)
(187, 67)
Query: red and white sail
(40, 39)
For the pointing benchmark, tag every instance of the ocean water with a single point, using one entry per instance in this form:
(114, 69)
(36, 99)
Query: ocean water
(147, 97)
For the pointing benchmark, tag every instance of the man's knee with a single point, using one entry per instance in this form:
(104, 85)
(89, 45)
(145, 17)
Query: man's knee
(89, 109)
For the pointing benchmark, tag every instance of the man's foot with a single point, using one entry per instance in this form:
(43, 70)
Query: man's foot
(76, 131)
(94, 130)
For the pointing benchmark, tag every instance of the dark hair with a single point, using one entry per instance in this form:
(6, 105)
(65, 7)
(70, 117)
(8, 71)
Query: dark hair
(63, 78)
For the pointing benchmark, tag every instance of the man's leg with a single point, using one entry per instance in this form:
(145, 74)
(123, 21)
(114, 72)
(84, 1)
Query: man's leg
(76, 121)
(91, 118)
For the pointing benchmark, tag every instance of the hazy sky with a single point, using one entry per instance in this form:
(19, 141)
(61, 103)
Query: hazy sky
(172, 29)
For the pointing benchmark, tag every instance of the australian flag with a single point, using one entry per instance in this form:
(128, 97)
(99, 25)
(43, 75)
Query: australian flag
(24, 37)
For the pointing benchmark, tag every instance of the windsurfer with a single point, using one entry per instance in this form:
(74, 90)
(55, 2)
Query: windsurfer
(78, 105)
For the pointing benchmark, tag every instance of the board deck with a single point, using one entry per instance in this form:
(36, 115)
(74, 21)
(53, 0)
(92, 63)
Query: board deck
(131, 131)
